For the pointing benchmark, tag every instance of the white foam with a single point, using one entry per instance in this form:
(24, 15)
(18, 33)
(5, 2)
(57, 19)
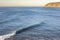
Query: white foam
(6, 36)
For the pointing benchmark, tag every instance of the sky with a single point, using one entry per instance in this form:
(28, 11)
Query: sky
(25, 2)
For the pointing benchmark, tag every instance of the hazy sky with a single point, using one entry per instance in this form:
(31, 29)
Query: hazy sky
(25, 2)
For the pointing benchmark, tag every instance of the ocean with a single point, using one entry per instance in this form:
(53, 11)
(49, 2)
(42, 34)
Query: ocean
(37, 21)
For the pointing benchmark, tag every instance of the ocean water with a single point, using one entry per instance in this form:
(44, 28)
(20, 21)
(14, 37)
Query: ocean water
(30, 20)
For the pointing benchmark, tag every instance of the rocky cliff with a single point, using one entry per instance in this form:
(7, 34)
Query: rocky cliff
(53, 4)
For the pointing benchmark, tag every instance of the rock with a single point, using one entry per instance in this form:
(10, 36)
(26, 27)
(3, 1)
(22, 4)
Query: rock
(53, 4)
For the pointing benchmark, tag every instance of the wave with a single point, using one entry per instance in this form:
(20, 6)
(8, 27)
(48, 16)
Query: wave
(33, 26)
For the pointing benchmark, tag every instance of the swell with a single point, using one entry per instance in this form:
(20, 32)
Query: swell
(30, 27)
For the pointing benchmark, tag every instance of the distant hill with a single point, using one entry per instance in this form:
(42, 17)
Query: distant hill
(53, 4)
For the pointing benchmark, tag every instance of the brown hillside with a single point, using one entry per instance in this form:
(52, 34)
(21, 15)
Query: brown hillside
(53, 4)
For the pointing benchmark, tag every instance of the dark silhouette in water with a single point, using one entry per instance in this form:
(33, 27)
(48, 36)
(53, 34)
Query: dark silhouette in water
(24, 29)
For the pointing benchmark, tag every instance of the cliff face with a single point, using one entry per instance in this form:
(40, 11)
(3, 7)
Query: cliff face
(53, 4)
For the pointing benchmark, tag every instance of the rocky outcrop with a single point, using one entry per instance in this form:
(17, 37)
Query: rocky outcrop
(53, 4)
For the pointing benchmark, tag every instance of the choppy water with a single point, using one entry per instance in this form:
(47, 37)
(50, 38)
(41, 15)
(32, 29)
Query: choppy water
(30, 20)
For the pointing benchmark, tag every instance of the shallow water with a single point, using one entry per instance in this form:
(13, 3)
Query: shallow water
(34, 20)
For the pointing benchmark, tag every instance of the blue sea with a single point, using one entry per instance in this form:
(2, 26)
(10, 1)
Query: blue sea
(30, 20)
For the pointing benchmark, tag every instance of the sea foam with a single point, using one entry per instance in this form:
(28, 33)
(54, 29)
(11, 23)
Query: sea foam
(2, 37)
